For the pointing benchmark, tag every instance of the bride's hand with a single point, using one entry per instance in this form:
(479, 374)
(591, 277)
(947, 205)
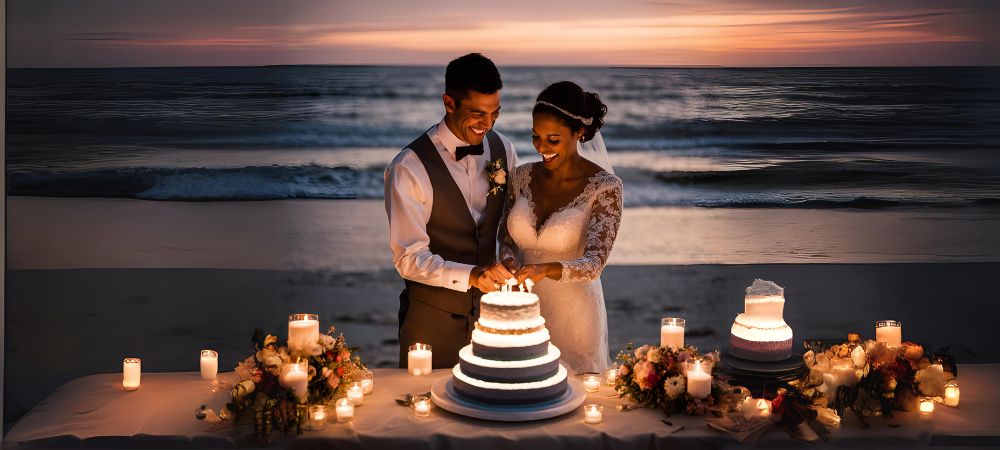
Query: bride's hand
(538, 272)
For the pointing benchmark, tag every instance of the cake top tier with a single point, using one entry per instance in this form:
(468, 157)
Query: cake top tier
(513, 298)
(764, 289)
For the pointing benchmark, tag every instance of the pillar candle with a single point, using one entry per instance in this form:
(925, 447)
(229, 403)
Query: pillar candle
(131, 372)
(303, 331)
(209, 364)
(418, 360)
(672, 332)
(699, 383)
(890, 332)
(295, 376)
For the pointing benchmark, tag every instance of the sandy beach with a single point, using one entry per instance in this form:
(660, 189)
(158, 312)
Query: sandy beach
(108, 278)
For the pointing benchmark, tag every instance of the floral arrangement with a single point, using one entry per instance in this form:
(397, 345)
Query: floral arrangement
(496, 173)
(870, 378)
(656, 377)
(260, 400)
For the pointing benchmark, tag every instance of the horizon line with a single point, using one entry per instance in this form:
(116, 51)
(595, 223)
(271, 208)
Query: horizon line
(582, 66)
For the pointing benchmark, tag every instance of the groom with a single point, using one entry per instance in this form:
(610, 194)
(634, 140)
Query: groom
(443, 214)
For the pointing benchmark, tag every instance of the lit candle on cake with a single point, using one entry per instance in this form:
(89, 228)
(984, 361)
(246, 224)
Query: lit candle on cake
(345, 410)
(356, 393)
(593, 413)
(209, 364)
(317, 417)
(699, 383)
(672, 332)
(951, 393)
(368, 381)
(295, 376)
(418, 360)
(303, 331)
(591, 383)
(422, 406)
(890, 332)
(131, 373)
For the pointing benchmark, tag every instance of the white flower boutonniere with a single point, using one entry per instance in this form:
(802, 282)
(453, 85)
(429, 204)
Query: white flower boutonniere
(496, 173)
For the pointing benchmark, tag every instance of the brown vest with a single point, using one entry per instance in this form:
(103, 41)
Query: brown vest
(453, 233)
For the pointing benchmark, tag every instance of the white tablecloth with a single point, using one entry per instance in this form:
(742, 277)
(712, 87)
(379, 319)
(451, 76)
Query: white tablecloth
(93, 411)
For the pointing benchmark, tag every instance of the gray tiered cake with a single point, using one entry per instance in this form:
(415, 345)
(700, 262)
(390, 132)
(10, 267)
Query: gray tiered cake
(510, 359)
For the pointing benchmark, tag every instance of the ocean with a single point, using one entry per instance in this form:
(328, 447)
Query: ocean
(710, 137)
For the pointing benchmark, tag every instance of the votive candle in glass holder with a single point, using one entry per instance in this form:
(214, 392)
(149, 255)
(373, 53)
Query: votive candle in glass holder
(593, 413)
(303, 331)
(368, 381)
(345, 410)
(951, 393)
(209, 364)
(317, 417)
(295, 376)
(419, 359)
(672, 332)
(890, 332)
(421, 406)
(926, 406)
(699, 383)
(356, 393)
(131, 373)
(611, 376)
(591, 383)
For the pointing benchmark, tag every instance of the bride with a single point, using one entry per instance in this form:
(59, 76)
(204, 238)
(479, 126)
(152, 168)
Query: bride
(562, 217)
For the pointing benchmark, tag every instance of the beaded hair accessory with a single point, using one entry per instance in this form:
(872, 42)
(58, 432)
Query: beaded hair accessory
(585, 120)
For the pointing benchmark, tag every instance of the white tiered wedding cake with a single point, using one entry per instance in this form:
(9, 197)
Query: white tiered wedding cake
(760, 332)
(510, 359)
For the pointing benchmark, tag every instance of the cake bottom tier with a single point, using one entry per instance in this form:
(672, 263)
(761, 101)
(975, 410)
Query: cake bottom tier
(510, 393)
(760, 350)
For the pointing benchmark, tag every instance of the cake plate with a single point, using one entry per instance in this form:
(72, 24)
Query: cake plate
(443, 394)
(762, 378)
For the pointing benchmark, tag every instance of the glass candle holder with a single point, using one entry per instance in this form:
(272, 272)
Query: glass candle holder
(317, 417)
(926, 406)
(356, 393)
(421, 406)
(890, 332)
(295, 376)
(611, 376)
(303, 331)
(345, 410)
(593, 413)
(699, 382)
(672, 332)
(368, 381)
(951, 393)
(209, 364)
(591, 383)
(131, 373)
(419, 359)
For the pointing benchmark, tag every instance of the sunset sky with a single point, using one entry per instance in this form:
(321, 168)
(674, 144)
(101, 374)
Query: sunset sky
(124, 33)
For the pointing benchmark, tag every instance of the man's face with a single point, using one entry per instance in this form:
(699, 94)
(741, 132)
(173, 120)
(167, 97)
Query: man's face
(473, 117)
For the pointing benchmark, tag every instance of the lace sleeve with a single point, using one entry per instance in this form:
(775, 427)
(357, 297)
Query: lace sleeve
(605, 218)
(507, 247)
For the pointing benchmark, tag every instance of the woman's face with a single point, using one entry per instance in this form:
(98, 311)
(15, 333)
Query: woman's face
(553, 139)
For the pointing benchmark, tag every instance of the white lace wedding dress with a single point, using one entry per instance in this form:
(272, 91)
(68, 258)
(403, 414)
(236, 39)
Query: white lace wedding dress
(580, 236)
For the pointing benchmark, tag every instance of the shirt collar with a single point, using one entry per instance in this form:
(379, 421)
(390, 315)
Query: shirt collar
(448, 139)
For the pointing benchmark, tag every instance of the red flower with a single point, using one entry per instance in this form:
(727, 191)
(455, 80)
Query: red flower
(340, 371)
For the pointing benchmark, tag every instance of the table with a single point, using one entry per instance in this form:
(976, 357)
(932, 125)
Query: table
(94, 412)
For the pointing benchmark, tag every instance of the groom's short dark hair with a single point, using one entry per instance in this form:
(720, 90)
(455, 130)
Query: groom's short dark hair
(472, 72)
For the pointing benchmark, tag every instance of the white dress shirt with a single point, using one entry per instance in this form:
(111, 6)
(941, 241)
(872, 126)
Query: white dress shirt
(409, 198)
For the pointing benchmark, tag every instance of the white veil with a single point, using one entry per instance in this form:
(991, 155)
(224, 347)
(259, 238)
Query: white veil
(595, 151)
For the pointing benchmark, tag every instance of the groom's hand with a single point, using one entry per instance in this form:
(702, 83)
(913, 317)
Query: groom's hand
(480, 279)
(539, 272)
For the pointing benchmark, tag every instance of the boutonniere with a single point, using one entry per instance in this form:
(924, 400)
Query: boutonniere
(496, 173)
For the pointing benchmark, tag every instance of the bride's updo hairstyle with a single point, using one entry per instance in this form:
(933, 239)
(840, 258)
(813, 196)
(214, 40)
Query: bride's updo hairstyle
(576, 107)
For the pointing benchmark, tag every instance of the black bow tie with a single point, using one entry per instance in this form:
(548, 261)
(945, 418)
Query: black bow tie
(462, 152)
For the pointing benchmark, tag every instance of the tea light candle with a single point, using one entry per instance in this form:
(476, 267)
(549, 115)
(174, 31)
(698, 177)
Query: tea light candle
(295, 376)
(209, 364)
(345, 410)
(951, 393)
(422, 406)
(591, 383)
(926, 406)
(699, 383)
(131, 372)
(303, 331)
(418, 360)
(356, 393)
(317, 417)
(611, 376)
(593, 413)
(368, 381)
(672, 332)
(890, 332)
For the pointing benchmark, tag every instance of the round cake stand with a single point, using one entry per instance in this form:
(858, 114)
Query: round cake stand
(443, 394)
